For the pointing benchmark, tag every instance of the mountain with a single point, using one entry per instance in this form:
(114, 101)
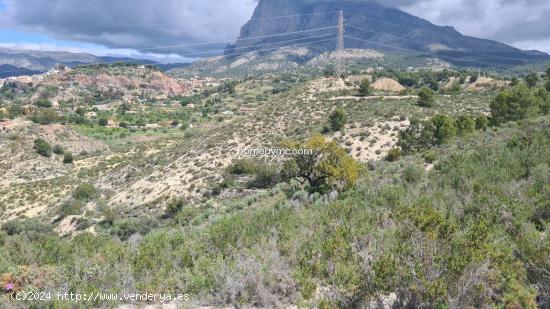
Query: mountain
(370, 25)
(28, 62)
(7, 70)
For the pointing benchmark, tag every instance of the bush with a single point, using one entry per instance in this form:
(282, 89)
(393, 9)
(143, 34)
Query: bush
(482, 123)
(45, 103)
(465, 125)
(85, 192)
(68, 158)
(430, 156)
(42, 147)
(128, 227)
(514, 104)
(32, 228)
(103, 122)
(393, 155)
(364, 87)
(71, 208)
(412, 174)
(426, 97)
(267, 176)
(531, 80)
(175, 206)
(444, 128)
(45, 117)
(337, 120)
(547, 85)
(242, 167)
(58, 149)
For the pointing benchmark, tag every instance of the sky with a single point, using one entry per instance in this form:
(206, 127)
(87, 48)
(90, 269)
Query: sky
(162, 30)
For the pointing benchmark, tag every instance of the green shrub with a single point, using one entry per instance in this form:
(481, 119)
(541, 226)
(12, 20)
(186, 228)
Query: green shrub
(482, 123)
(103, 122)
(58, 149)
(29, 227)
(85, 192)
(412, 174)
(393, 155)
(364, 87)
(174, 206)
(514, 104)
(68, 158)
(130, 226)
(45, 103)
(42, 147)
(444, 128)
(426, 97)
(337, 120)
(465, 125)
(531, 80)
(71, 208)
(267, 176)
(242, 167)
(429, 156)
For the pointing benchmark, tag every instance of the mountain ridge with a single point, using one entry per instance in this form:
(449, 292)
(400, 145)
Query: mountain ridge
(372, 25)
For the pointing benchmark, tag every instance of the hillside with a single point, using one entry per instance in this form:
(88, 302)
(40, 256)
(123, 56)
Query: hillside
(385, 29)
(421, 200)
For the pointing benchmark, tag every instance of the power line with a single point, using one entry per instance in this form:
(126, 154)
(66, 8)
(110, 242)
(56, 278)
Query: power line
(417, 42)
(238, 40)
(265, 44)
(259, 50)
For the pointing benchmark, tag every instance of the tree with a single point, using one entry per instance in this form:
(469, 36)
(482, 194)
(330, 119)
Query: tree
(42, 147)
(514, 104)
(514, 82)
(444, 128)
(325, 166)
(103, 122)
(337, 120)
(465, 125)
(68, 157)
(547, 85)
(548, 73)
(426, 97)
(364, 87)
(531, 80)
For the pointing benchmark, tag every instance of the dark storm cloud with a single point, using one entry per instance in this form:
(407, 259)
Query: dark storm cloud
(143, 24)
(510, 21)
(132, 23)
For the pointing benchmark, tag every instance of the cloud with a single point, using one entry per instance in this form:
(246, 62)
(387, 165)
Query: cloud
(146, 25)
(136, 24)
(510, 21)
